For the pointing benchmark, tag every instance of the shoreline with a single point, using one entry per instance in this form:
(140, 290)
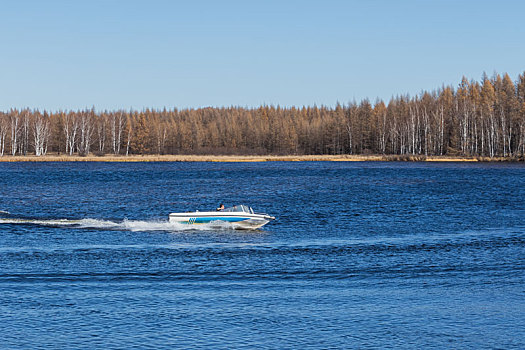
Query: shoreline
(267, 158)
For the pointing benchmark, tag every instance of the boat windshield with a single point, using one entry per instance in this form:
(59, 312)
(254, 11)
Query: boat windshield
(240, 208)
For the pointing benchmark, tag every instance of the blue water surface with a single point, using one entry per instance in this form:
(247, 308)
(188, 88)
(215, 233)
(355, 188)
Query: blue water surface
(362, 255)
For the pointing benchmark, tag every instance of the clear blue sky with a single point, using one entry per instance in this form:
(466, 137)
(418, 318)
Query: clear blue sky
(135, 54)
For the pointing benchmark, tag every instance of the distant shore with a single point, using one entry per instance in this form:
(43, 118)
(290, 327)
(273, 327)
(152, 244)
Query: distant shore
(234, 158)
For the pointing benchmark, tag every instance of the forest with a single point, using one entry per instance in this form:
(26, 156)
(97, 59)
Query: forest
(479, 119)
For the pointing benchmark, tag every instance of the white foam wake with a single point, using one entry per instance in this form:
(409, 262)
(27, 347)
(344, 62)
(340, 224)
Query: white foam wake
(126, 225)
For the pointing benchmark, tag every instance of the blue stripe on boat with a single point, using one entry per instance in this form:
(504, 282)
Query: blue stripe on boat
(218, 218)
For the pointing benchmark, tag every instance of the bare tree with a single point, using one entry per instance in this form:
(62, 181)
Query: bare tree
(128, 143)
(86, 128)
(101, 133)
(117, 124)
(25, 119)
(4, 128)
(162, 133)
(40, 128)
(71, 126)
(16, 127)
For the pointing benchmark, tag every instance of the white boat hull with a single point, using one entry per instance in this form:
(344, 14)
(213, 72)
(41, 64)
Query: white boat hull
(238, 220)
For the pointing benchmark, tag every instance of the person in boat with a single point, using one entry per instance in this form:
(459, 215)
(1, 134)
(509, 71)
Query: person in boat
(221, 207)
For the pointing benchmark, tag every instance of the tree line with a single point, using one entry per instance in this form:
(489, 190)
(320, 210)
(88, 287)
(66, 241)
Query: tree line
(485, 118)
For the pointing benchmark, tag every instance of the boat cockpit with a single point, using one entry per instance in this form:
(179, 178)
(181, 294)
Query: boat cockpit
(239, 209)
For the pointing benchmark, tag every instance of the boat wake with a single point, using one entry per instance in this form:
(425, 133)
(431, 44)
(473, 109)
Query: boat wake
(124, 225)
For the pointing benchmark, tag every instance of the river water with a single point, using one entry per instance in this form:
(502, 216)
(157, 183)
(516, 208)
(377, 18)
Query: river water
(362, 255)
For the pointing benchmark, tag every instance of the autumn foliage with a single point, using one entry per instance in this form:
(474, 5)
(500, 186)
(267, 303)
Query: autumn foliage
(484, 118)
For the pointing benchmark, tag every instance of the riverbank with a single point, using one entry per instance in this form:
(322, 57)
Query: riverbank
(267, 158)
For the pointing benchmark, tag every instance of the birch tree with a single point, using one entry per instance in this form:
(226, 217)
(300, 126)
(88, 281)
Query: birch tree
(117, 125)
(130, 134)
(4, 128)
(86, 128)
(25, 129)
(16, 128)
(488, 97)
(71, 126)
(101, 122)
(40, 128)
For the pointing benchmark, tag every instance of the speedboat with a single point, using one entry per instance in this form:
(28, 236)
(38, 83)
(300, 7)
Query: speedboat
(239, 216)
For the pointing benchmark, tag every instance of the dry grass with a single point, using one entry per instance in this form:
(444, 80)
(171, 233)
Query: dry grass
(269, 158)
(182, 158)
